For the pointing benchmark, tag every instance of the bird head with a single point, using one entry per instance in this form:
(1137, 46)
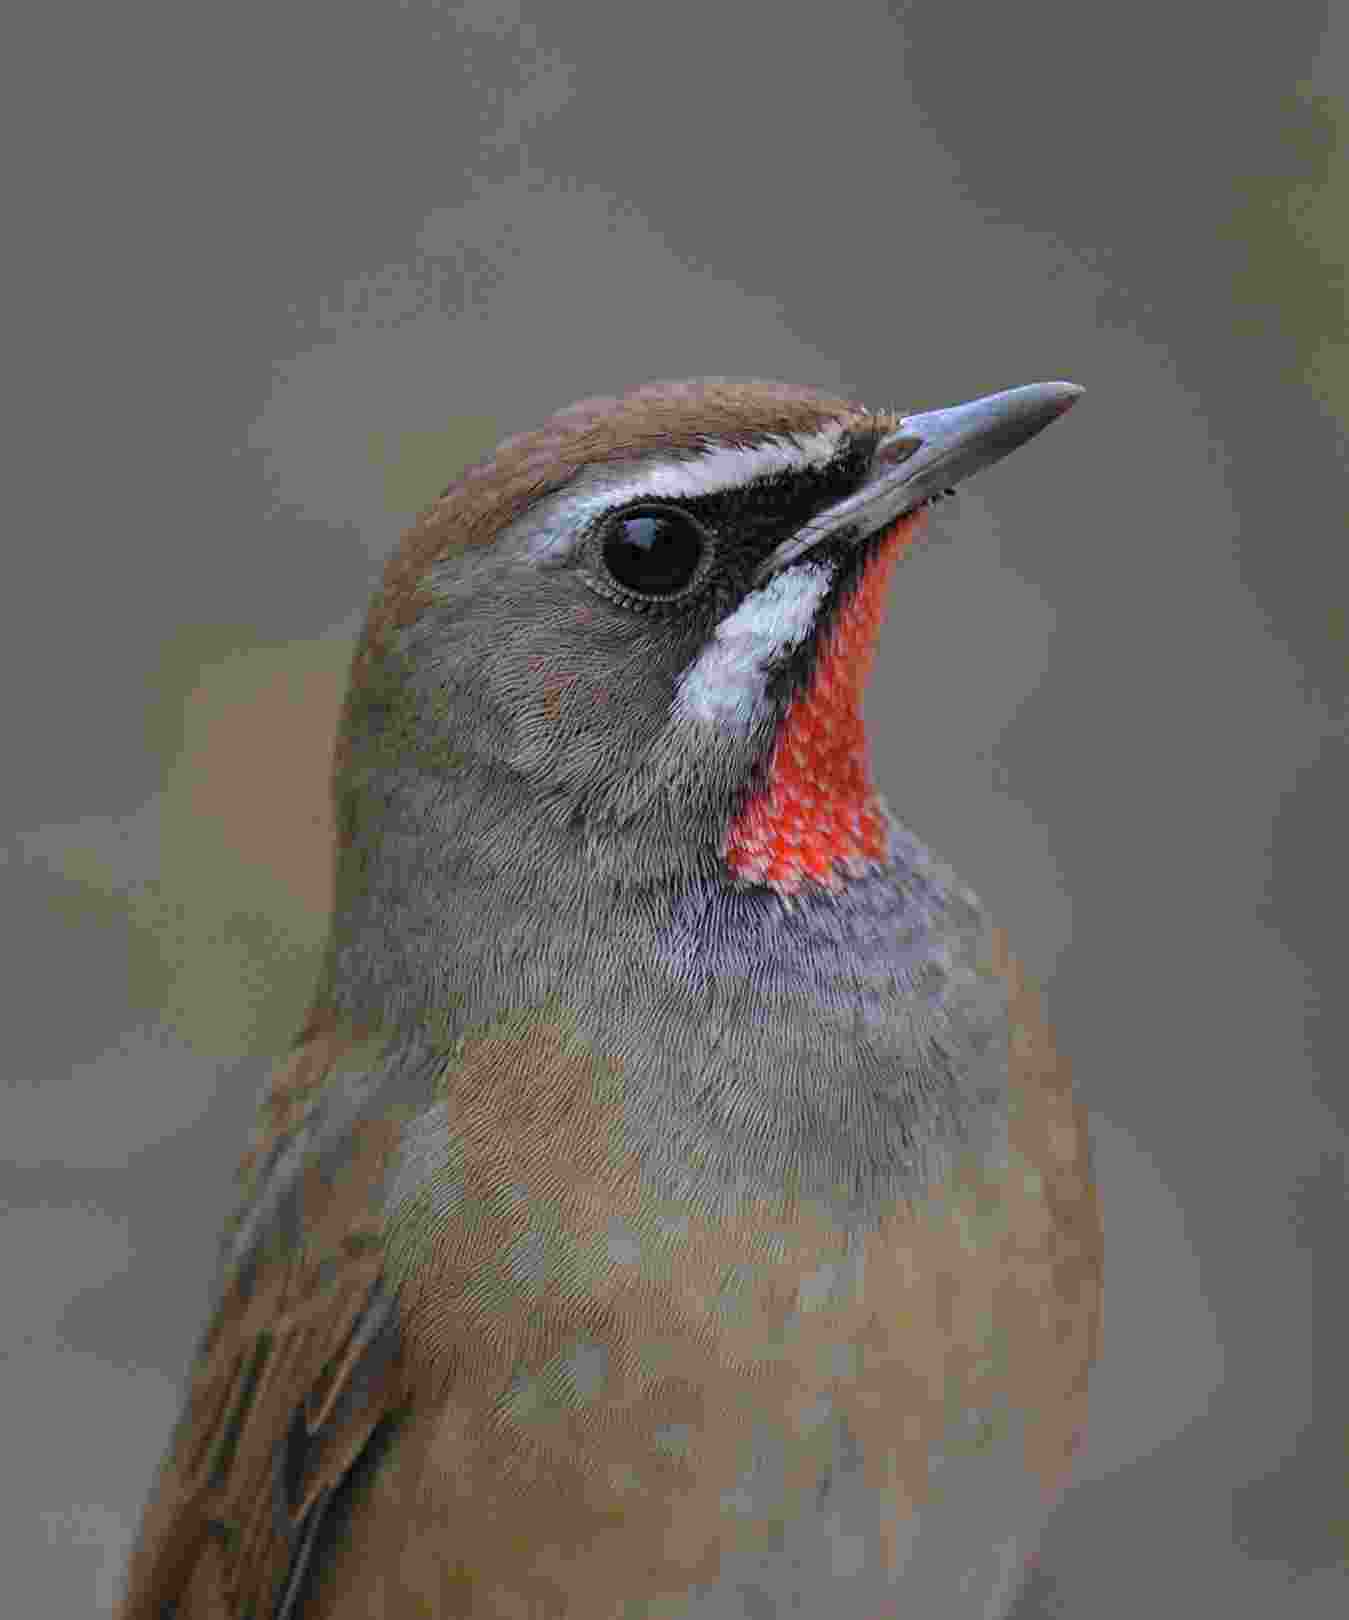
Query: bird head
(634, 642)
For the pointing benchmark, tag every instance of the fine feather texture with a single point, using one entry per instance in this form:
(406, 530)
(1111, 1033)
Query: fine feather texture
(298, 1367)
(657, 1217)
(655, 419)
(487, 1393)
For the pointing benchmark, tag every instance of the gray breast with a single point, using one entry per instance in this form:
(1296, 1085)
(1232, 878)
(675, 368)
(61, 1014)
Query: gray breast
(851, 1038)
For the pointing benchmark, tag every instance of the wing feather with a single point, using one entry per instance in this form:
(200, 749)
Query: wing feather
(300, 1365)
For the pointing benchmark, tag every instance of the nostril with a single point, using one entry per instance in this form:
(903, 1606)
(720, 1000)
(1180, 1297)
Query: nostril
(891, 452)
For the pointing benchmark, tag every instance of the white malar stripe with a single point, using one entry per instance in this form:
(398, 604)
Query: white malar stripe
(725, 685)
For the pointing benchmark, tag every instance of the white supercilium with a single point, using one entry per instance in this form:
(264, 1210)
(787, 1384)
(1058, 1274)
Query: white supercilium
(560, 523)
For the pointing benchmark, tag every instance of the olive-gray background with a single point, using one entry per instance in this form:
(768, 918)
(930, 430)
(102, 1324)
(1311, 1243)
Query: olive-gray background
(272, 274)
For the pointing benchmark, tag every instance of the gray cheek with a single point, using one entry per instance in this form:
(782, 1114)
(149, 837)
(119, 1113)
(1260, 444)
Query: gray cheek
(726, 684)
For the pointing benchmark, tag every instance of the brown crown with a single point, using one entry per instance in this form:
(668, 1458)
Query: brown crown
(661, 416)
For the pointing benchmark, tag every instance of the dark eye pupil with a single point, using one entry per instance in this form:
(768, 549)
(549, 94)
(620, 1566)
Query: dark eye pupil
(655, 553)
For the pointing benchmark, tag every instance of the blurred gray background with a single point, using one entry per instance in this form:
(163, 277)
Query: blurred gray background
(273, 274)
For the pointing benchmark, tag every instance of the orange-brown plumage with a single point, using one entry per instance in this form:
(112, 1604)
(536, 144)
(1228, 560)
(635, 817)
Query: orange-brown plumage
(574, 1204)
(465, 1496)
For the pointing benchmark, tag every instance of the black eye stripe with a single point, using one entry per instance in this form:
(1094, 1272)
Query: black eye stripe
(643, 551)
(756, 515)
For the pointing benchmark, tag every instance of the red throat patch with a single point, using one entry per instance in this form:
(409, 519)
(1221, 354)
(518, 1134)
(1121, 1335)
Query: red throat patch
(817, 817)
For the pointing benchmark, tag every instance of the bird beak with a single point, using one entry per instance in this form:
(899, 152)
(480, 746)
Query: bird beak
(927, 453)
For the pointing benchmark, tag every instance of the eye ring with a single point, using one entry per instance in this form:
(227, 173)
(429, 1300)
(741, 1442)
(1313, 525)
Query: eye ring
(651, 554)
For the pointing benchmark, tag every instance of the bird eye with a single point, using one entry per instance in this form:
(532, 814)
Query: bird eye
(653, 550)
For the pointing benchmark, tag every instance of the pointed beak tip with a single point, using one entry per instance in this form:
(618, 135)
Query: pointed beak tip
(928, 453)
(1068, 394)
(1045, 401)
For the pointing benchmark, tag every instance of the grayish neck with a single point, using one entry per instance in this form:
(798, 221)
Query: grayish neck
(847, 1045)
(864, 1028)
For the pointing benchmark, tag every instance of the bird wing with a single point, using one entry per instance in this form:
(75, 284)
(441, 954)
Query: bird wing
(298, 1378)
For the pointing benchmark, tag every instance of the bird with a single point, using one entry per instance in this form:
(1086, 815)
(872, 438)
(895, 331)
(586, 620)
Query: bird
(674, 1203)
